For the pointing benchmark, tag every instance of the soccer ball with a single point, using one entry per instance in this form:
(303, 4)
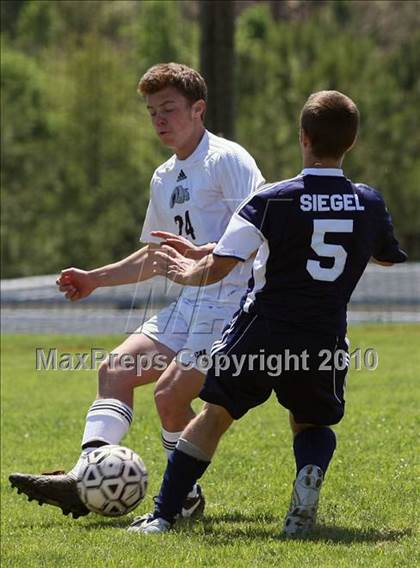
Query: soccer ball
(113, 481)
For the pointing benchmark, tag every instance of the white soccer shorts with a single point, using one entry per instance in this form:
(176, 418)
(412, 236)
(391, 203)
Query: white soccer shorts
(189, 328)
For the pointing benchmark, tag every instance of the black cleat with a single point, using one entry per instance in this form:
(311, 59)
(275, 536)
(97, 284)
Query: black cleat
(193, 506)
(57, 488)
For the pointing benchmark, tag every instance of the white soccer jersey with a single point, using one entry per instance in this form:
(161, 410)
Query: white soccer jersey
(196, 197)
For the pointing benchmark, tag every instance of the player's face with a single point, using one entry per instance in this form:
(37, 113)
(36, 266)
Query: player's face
(174, 118)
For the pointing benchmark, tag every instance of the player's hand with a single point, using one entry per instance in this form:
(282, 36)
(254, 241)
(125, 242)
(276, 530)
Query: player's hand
(180, 244)
(75, 283)
(170, 263)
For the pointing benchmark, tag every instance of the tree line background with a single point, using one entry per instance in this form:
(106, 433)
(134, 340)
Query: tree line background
(78, 150)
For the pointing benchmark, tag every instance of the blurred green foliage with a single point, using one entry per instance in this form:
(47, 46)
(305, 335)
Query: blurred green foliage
(78, 150)
(281, 62)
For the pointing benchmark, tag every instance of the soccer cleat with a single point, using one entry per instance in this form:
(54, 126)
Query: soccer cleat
(301, 516)
(148, 524)
(139, 521)
(56, 488)
(193, 506)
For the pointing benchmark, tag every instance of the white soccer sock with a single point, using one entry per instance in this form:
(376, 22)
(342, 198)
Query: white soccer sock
(169, 441)
(107, 420)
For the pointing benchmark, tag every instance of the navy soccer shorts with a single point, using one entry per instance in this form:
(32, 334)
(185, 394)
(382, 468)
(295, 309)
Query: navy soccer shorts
(256, 356)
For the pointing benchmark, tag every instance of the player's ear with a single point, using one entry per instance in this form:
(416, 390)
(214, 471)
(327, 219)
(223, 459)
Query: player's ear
(199, 108)
(304, 138)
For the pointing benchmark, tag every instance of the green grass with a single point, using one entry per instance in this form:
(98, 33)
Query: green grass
(367, 514)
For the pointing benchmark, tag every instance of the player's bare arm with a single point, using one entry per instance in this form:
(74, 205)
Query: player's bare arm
(210, 269)
(183, 245)
(77, 284)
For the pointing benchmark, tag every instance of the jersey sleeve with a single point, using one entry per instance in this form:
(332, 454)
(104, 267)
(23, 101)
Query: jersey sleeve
(244, 233)
(238, 176)
(387, 248)
(153, 220)
(240, 240)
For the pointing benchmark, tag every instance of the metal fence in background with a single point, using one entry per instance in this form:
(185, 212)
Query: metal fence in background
(33, 305)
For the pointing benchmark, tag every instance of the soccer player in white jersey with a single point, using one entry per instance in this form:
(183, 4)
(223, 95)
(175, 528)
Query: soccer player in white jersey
(193, 194)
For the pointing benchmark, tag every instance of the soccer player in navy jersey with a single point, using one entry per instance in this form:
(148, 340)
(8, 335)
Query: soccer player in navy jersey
(313, 236)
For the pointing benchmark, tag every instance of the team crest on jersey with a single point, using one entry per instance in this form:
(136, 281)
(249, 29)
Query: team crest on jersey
(179, 195)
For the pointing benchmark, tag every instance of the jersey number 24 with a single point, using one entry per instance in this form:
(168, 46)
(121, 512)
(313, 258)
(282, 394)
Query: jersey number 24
(189, 229)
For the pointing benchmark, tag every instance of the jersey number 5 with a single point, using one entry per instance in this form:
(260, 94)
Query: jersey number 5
(189, 229)
(337, 252)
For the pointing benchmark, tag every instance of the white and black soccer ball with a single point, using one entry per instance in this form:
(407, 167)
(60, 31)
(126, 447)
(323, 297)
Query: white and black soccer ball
(113, 481)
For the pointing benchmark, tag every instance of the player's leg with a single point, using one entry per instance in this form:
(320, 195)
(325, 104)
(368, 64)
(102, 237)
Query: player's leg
(312, 444)
(118, 377)
(187, 463)
(107, 422)
(315, 400)
(182, 381)
(227, 396)
(175, 390)
(110, 416)
(313, 448)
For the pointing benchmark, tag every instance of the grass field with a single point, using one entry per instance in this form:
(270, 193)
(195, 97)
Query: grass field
(368, 508)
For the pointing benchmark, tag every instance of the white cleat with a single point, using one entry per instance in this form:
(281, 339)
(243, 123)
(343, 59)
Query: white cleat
(301, 516)
(149, 525)
(138, 521)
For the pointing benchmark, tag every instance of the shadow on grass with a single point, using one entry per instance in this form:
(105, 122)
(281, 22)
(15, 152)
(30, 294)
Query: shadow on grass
(97, 522)
(94, 522)
(347, 535)
(222, 528)
(260, 526)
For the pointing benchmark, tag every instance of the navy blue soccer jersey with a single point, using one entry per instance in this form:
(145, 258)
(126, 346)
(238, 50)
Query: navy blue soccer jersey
(314, 235)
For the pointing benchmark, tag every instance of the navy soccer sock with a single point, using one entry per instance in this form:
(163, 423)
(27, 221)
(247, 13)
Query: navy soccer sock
(182, 472)
(314, 446)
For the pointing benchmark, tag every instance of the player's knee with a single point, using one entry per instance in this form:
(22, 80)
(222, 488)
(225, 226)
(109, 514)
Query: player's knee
(165, 401)
(217, 416)
(110, 375)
